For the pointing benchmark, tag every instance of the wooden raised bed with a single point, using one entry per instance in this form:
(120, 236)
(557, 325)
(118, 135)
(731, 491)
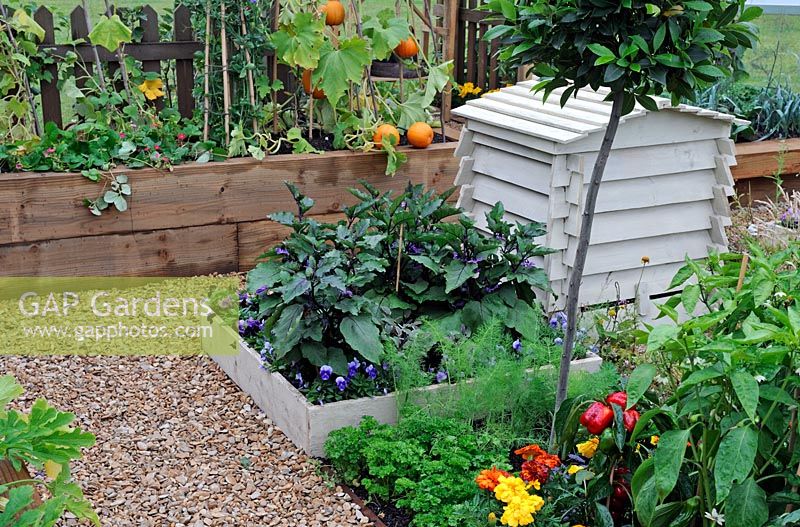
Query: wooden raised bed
(198, 219)
(758, 163)
(309, 425)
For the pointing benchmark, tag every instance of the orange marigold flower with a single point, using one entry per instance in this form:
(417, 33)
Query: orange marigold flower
(530, 452)
(488, 479)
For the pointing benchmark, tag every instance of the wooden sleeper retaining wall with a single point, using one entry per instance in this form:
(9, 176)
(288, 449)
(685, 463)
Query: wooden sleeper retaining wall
(197, 219)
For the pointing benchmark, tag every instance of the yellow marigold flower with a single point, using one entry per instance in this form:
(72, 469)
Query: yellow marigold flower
(654, 440)
(578, 525)
(588, 448)
(508, 487)
(520, 510)
(152, 89)
(573, 469)
(612, 312)
(492, 518)
(535, 484)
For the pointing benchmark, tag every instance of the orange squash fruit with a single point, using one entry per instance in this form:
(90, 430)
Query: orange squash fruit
(385, 130)
(420, 135)
(407, 48)
(317, 93)
(333, 11)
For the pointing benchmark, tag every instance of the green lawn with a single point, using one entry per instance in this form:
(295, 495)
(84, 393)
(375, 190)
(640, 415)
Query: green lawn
(778, 53)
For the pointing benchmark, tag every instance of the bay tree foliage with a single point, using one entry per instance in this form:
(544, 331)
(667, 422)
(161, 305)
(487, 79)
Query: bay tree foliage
(636, 49)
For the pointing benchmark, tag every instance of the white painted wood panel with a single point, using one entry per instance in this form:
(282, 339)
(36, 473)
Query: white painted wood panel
(512, 168)
(505, 134)
(665, 127)
(649, 191)
(619, 256)
(526, 204)
(581, 113)
(516, 124)
(505, 105)
(632, 163)
(644, 223)
(513, 148)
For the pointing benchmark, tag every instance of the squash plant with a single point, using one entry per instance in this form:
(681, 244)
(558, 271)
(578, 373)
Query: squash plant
(337, 94)
(44, 439)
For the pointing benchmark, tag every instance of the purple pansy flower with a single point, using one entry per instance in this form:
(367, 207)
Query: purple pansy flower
(558, 341)
(261, 290)
(371, 371)
(281, 250)
(441, 376)
(341, 383)
(527, 263)
(516, 345)
(325, 372)
(352, 368)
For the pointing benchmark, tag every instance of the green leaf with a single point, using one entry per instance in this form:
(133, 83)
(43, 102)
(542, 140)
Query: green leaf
(751, 13)
(710, 71)
(746, 388)
(643, 488)
(288, 330)
(683, 274)
(639, 382)
(746, 505)
(658, 38)
(21, 21)
(794, 318)
(9, 390)
(668, 459)
(362, 335)
(297, 286)
(689, 297)
(19, 498)
(734, 459)
(659, 336)
(110, 32)
(385, 33)
(338, 67)
(265, 274)
(600, 50)
(457, 272)
(300, 43)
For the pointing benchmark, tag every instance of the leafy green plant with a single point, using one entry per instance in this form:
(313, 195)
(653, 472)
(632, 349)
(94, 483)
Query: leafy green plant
(332, 292)
(773, 111)
(425, 465)
(45, 439)
(635, 48)
(727, 425)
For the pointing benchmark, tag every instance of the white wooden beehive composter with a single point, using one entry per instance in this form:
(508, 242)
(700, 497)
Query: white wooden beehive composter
(664, 193)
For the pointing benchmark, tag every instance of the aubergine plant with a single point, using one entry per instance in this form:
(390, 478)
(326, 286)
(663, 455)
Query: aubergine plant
(332, 292)
(728, 431)
(635, 48)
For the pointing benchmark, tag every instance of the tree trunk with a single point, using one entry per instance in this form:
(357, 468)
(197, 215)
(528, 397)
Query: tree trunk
(583, 245)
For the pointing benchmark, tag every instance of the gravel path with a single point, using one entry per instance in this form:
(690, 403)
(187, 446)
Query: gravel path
(179, 445)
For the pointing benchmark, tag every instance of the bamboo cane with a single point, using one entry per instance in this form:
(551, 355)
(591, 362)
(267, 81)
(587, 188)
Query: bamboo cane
(360, 32)
(206, 72)
(742, 271)
(250, 83)
(121, 59)
(26, 83)
(399, 257)
(275, 72)
(100, 75)
(226, 87)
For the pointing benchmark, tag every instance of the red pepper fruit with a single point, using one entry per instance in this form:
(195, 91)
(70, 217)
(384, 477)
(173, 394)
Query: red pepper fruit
(629, 419)
(618, 398)
(597, 418)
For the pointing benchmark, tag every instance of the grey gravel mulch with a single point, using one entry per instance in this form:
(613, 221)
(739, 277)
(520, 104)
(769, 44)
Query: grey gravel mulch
(179, 445)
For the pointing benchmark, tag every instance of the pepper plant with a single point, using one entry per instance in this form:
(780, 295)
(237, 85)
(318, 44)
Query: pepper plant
(728, 428)
(635, 48)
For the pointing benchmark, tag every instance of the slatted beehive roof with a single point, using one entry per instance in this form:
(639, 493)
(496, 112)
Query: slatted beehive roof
(527, 112)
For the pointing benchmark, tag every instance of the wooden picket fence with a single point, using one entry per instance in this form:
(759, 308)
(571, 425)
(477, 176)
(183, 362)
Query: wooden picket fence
(151, 51)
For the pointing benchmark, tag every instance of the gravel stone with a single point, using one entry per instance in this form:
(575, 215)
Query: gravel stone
(179, 445)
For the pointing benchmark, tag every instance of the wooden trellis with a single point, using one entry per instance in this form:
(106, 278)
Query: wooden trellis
(151, 51)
